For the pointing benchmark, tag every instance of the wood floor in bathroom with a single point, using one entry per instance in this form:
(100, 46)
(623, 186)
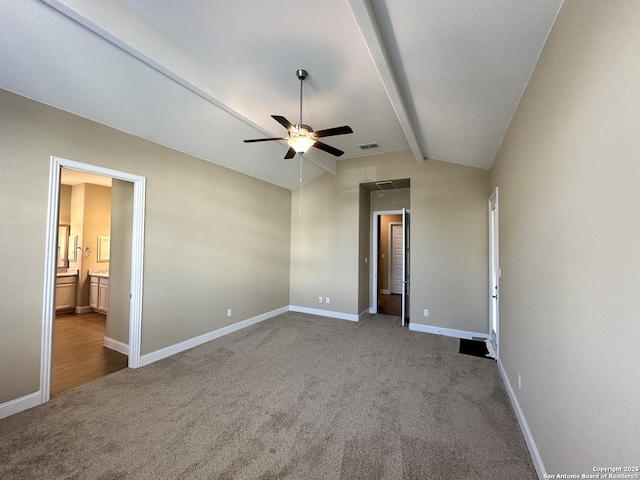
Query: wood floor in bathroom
(390, 304)
(79, 354)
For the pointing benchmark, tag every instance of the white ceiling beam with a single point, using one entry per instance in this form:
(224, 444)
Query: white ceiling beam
(122, 28)
(370, 31)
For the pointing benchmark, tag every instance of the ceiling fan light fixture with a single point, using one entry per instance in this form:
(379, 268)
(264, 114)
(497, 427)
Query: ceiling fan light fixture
(301, 144)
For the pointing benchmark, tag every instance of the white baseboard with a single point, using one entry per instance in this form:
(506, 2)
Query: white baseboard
(528, 437)
(20, 404)
(385, 291)
(449, 332)
(363, 314)
(116, 345)
(84, 309)
(324, 313)
(373, 310)
(207, 337)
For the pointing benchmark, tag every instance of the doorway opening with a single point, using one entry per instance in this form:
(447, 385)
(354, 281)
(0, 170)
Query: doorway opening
(390, 287)
(84, 347)
(88, 247)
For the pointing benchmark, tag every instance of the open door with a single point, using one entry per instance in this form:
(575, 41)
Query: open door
(405, 268)
(494, 276)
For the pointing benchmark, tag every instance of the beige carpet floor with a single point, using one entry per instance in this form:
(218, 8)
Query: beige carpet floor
(296, 396)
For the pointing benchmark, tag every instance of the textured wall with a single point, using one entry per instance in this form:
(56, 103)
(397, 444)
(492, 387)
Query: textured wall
(568, 175)
(448, 239)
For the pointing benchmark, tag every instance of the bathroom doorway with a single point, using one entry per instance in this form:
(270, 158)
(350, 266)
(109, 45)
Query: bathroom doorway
(83, 347)
(95, 253)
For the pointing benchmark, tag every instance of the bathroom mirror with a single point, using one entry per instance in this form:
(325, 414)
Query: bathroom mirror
(104, 247)
(63, 246)
(73, 247)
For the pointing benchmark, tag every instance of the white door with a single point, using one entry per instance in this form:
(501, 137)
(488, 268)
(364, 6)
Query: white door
(494, 275)
(397, 258)
(405, 267)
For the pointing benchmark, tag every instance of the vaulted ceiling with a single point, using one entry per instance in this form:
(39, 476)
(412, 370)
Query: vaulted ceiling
(440, 77)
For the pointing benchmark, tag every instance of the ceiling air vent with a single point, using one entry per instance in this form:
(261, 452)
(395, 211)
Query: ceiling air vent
(388, 185)
(367, 146)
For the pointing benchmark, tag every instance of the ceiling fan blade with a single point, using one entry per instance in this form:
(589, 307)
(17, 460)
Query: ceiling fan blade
(290, 153)
(283, 121)
(328, 148)
(333, 131)
(253, 140)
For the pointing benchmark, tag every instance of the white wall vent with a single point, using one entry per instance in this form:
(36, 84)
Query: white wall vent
(367, 146)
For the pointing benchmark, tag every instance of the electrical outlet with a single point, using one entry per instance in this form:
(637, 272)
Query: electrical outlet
(328, 300)
(426, 312)
(319, 299)
(229, 312)
(519, 381)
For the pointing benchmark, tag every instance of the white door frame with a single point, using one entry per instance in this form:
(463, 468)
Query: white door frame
(373, 308)
(137, 264)
(406, 286)
(494, 272)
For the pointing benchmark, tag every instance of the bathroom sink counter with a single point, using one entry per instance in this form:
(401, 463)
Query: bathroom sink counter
(68, 273)
(99, 273)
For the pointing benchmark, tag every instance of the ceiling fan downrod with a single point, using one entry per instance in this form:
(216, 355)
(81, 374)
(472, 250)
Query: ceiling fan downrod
(301, 74)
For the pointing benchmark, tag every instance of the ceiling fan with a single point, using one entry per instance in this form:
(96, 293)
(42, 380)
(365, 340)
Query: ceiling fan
(301, 137)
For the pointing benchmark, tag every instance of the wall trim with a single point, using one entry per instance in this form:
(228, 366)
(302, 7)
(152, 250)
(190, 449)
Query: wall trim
(325, 313)
(116, 345)
(449, 332)
(152, 357)
(84, 309)
(363, 314)
(524, 426)
(21, 404)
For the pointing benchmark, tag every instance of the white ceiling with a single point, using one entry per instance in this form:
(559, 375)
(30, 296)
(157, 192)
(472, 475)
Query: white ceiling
(440, 77)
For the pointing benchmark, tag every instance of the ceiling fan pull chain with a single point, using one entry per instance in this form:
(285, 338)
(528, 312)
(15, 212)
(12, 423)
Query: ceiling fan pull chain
(300, 189)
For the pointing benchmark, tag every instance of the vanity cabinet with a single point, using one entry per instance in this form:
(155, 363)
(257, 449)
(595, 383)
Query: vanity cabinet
(99, 293)
(66, 293)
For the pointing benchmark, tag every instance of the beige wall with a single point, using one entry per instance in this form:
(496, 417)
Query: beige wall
(364, 247)
(95, 221)
(568, 175)
(215, 238)
(120, 262)
(390, 199)
(64, 216)
(449, 239)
